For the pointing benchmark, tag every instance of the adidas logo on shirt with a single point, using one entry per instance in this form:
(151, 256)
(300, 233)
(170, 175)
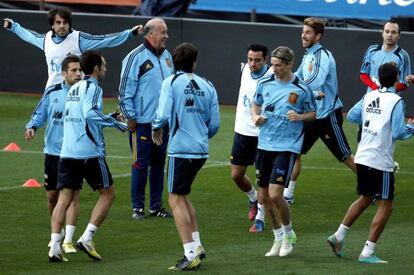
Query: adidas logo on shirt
(374, 107)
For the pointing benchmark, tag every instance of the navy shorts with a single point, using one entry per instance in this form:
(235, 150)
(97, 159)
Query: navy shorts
(94, 170)
(274, 167)
(181, 174)
(51, 172)
(329, 130)
(375, 183)
(244, 150)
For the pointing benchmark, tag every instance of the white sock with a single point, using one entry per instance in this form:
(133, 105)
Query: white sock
(260, 212)
(196, 238)
(89, 232)
(70, 229)
(55, 246)
(288, 192)
(278, 233)
(287, 228)
(340, 234)
(252, 194)
(368, 250)
(190, 250)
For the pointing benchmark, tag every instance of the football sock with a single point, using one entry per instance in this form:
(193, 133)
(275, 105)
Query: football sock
(368, 249)
(196, 238)
(287, 228)
(70, 229)
(89, 232)
(190, 250)
(55, 247)
(340, 234)
(278, 233)
(260, 212)
(252, 194)
(288, 192)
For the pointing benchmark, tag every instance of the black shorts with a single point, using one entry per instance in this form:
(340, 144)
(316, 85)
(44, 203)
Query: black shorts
(181, 174)
(244, 150)
(375, 183)
(94, 170)
(329, 130)
(51, 172)
(274, 167)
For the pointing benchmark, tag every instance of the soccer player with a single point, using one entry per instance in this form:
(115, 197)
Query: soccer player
(381, 112)
(83, 154)
(143, 71)
(318, 70)
(189, 103)
(62, 40)
(281, 103)
(389, 51)
(244, 148)
(50, 110)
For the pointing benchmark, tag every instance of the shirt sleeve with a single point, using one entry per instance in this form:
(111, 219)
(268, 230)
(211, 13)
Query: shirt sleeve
(31, 37)
(129, 85)
(39, 115)
(366, 62)
(258, 97)
(88, 41)
(165, 104)
(93, 113)
(400, 130)
(214, 123)
(404, 67)
(299, 71)
(354, 115)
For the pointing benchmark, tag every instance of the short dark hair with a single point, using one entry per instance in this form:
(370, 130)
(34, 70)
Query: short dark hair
(318, 25)
(69, 59)
(387, 74)
(63, 12)
(258, 48)
(184, 56)
(89, 60)
(392, 21)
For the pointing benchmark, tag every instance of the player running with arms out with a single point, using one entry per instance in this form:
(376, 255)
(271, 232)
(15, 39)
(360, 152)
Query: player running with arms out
(281, 104)
(189, 104)
(62, 40)
(50, 110)
(83, 154)
(381, 114)
(243, 152)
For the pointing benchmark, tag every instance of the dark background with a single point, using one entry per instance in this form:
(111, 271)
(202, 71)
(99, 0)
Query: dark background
(221, 44)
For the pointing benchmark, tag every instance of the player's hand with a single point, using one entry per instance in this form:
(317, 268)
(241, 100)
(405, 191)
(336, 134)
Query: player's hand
(157, 137)
(137, 30)
(132, 125)
(318, 95)
(7, 23)
(410, 121)
(29, 134)
(410, 79)
(258, 120)
(293, 116)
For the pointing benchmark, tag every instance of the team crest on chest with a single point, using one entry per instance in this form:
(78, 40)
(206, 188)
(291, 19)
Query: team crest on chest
(148, 66)
(168, 61)
(310, 66)
(293, 97)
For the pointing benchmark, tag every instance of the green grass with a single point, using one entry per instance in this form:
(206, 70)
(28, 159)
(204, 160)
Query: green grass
(325, 190)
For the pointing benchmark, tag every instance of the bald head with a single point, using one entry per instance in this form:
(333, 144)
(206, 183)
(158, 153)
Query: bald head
(156, 33)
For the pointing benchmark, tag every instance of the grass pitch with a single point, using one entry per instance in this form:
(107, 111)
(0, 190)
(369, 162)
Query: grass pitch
(149, 246)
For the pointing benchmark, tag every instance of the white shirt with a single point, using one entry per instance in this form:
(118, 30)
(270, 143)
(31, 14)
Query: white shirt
(244, 124)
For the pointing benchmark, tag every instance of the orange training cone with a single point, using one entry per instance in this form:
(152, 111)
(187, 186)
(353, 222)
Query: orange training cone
(12, 147)
(32, 183)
